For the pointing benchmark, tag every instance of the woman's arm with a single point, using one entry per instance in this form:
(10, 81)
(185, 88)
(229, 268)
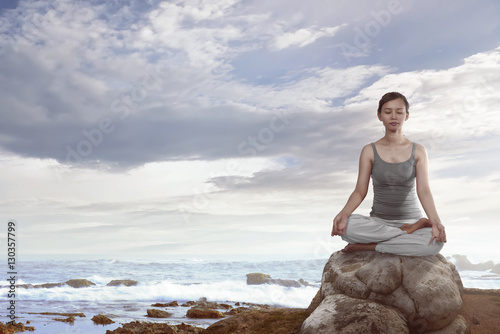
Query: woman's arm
(425, 195)
(359, 193)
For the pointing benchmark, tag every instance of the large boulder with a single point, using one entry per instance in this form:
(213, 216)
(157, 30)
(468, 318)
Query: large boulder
(372, 292)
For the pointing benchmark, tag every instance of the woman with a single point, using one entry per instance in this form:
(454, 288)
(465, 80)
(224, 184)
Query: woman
(396, 165)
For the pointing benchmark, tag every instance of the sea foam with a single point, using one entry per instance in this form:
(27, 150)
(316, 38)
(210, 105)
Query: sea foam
(275, 295)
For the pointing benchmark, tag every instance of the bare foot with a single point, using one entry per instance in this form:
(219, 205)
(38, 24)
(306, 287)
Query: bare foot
(421, 223)
(359, 247)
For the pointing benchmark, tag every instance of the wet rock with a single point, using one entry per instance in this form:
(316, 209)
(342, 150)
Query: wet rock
(260, 278)
(70, 319)
(171, 304)
(38, 286)
(261, 321)
(257, 278)
(79, 283)
(237, 310)
(204, 313)
(141, 327)
(48, 285)
(212, 305)
(101, 319)
(289, 283)
(224, 306)
(81, 315)
(125, 282)
(153, 313)
(15, 327)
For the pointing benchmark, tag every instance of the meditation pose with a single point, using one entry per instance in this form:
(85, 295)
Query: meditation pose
(397, 166)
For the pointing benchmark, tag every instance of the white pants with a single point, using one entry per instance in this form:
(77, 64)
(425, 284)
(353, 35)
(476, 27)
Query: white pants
(389, 236)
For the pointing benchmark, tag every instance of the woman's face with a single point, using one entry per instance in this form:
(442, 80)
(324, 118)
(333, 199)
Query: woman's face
(393, 114)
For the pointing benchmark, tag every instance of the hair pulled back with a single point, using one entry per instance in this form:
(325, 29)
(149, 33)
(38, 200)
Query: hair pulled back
(392, 96)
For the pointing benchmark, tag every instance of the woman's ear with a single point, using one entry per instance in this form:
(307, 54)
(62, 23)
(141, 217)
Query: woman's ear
(407, 115)
(378, 115)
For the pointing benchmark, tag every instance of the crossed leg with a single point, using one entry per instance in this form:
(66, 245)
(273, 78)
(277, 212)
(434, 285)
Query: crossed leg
(409, 228)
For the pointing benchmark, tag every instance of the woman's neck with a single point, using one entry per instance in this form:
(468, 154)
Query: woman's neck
(394, 138)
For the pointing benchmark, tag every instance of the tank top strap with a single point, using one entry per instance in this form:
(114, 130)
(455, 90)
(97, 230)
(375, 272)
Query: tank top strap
(413, 151)
(375, 153)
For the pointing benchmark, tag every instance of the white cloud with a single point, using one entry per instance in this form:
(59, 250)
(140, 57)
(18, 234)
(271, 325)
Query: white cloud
(301, 37)
(446, 106)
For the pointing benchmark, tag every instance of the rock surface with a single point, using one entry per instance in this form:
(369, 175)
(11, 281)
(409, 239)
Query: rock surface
(125, 282)
(261, 321)
(16, 327)
(154, 313)
(343, 314)
(463, 263)
(140, 327)
(48, 285)
(70, 319)
(81, 315)
(79, 283)
(101, 319)
(257, 278)
(260, 278)
(371, 292)
(204, 313)
(171, 304)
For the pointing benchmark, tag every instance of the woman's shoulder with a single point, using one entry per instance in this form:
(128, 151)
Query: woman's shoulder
(419, 147)
(367, 151)
(368, 147)
(420, 151)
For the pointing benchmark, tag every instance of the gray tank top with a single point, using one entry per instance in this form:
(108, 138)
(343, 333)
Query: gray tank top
(394, 195)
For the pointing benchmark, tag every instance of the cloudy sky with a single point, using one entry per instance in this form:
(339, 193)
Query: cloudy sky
(189, 128)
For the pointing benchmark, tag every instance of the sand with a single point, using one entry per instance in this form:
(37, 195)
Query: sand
(481, 308)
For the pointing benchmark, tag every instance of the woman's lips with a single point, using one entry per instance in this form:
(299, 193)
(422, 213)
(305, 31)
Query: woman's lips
(393, 123)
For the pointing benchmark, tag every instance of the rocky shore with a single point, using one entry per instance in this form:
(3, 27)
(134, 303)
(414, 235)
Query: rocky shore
(481, 310)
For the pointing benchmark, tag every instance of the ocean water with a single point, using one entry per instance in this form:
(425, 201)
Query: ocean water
(162, 281)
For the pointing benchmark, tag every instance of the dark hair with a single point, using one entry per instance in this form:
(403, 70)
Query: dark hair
(392, 96)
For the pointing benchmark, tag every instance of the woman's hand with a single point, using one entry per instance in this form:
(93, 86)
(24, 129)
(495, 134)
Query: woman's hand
(339, 224)
(438, 232)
